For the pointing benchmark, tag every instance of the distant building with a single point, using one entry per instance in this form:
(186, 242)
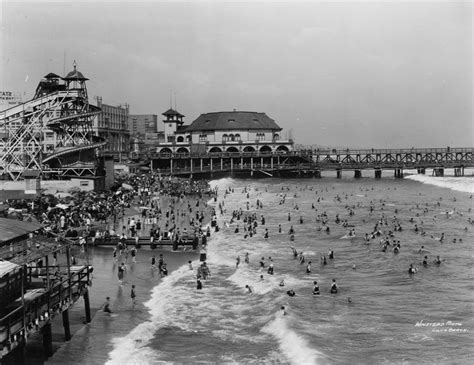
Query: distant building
(234, 131)
(140, 124)
(112, 125)
(143, 132)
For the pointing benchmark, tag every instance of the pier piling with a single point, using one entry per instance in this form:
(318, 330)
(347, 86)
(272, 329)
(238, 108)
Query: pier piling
(357, 174)
(67, 329)
(47, 340)
(398, 173)
(339, 173)
(378, 173)
(87, 306)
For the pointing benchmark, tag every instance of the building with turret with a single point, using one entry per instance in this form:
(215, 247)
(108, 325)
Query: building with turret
(229, 131)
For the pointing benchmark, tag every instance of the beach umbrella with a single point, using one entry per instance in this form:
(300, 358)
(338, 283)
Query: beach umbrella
(126, 187)
(62, 195)
(62, 206)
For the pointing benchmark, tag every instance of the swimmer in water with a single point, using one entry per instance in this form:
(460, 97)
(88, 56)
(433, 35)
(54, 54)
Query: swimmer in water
(249, 289)
(291, 293)
(107, 306)
(283, 311)
(315, 288)
(437, 261)
(411, 270)
(324, 261)
(282, 282)
(333, 287)
(425, 261)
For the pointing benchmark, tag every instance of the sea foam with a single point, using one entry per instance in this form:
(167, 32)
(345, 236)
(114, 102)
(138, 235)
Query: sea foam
(464, 184)
(294, 346)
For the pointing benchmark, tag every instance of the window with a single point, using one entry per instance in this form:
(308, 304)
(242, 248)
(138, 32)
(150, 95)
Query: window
(203, 138)
(260, 136)
(225, 138)
(237, 137)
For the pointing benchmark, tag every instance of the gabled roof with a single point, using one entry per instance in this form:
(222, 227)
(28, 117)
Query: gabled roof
(232, 121)
(171, 112)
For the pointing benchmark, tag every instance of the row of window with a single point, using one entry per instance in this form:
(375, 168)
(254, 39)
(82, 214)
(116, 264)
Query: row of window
(231, 137)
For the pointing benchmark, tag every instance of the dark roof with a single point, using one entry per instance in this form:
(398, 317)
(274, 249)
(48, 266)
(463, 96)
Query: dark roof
(171, 112)
(13, 228)
(52, 76)
(182, 128)
(233, 120)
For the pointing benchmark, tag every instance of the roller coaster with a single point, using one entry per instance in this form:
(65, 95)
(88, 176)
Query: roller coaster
(53, 132)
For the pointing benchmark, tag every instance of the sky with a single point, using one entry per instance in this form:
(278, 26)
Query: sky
(330, 73)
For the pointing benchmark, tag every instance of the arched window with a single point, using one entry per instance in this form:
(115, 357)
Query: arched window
(237, 137)
(180, 139)
(231, 137)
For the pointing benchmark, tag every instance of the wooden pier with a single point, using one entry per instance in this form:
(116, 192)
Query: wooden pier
(310, 163)
(37, 283)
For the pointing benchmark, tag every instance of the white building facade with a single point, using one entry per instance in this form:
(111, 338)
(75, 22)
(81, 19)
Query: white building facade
(234, 131)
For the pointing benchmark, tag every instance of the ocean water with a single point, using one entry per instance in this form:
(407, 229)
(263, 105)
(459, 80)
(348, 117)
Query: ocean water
(392, 317)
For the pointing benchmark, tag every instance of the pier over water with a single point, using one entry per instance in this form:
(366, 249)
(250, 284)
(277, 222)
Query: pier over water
(39, 280)
(310, 163)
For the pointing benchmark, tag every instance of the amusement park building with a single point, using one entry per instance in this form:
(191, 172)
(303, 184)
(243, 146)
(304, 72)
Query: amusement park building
(52, 133)
(231, 131)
